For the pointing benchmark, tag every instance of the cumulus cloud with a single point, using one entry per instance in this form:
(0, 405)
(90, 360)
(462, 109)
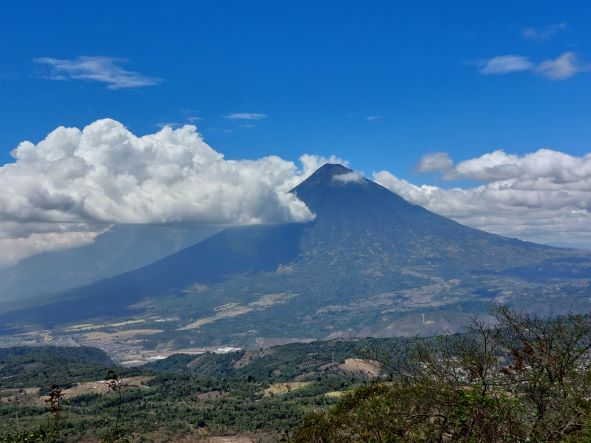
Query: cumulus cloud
(544, 164)
(564, 66)
(64, 190)
(435, 162)
(348, 177)
(98, 69)
(310, 163)
(544, 196)
(105, 174)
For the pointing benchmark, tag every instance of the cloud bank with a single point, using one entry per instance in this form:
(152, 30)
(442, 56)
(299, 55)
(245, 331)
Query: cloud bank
(544, 196)
(58, 191)
(68, 188)
(437, 161)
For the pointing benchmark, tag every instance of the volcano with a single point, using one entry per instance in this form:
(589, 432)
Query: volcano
(369, 264)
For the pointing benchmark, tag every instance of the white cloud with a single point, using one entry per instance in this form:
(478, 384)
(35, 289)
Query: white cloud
(373, 117)
(104, 174)
(544, 164)
(348, 177)
(544, 196)
(505, 64)
(311, 163)
(64, 190)
(542, 35)
(245, 116)
(99, 69)
(173, 125)
(20, 240)
(564, 66)
(435, 162)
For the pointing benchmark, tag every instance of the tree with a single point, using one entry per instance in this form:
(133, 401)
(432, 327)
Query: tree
(523, 379)
(115, 386)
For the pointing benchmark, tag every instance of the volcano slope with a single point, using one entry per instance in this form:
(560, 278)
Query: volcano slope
(120, 249)
(370, 264)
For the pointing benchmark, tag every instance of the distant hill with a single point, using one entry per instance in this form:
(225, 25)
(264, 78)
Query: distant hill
(43, 366)
(236, 393)
(278, 363)
(120, 249)
(370, 264)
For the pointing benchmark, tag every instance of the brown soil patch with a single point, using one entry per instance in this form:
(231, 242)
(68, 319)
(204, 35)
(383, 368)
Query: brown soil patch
(335, 394)
(23, 396)
(204, 438)
(229, 313)
(102, 386)
(209, 395)
(359, 366)
(284, 388)
(130, 333)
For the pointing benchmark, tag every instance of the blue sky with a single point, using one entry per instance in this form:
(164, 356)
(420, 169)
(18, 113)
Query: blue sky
(317, 70)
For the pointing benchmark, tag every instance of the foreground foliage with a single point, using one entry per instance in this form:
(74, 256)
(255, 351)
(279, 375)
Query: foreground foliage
(524, 380)
(527, 379)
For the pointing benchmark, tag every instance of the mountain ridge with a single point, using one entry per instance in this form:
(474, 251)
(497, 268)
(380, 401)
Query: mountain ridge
(370, 263)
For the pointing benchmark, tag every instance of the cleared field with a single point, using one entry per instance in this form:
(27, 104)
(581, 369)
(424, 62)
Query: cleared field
(209, 395)
(91, 326)
(230, 310)
(284, 388)
(23, 396)
(129, 333)
(359, 366)
(234, 312)
(335, 394)
(31, 395)
(102, 386)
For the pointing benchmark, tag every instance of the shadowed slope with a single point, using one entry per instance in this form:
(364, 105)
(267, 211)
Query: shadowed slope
(120, 249)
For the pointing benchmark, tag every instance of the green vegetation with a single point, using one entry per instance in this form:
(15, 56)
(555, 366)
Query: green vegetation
(44, 366)
(280, 363)
(525, 380)
(181, 395)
